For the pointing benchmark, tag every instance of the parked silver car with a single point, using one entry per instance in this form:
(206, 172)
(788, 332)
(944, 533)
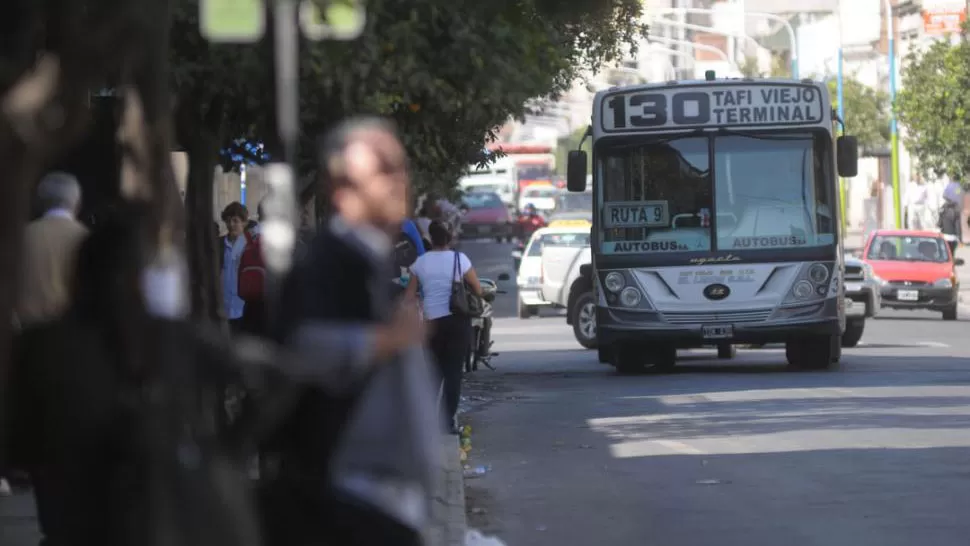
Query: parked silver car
(862, 299)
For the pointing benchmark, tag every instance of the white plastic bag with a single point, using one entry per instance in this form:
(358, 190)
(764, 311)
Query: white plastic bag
(474, 538)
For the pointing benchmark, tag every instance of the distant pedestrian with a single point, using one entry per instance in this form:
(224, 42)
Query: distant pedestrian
(436, 274)
(234, 216)
(252, 279)
(47, 265)
(50, 250)
(950, 216)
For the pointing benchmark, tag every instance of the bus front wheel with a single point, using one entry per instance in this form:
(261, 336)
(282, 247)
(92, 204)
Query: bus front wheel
(814, 353)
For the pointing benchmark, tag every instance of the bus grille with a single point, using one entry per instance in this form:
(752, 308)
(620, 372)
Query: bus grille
(909, 283)
(713, 317)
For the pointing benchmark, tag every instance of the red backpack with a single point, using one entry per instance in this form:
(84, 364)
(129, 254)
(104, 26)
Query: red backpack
(252, 271)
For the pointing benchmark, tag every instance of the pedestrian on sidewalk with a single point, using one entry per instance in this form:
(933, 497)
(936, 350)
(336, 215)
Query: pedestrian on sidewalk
(252, 280)
(950, 223)
(232, 245)
(50, 250)
(336, 309)
(436, 274)
(49, 253)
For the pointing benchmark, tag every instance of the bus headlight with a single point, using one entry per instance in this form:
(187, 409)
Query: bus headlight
(802, 290)
(818, 273)
(630, 297)
(614, 281)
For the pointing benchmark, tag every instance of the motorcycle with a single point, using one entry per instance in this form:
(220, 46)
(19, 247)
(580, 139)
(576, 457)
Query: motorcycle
(527, 225)
(480, 348)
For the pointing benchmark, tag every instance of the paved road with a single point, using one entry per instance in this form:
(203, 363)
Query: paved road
(738, 453)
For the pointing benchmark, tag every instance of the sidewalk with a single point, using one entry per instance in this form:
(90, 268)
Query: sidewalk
(448, 508)
(18, 523)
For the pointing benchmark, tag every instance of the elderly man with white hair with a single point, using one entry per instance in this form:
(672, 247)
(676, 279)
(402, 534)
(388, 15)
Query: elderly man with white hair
(50, 247)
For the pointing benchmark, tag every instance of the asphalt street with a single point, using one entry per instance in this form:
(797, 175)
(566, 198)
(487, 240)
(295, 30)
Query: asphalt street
(740, 452)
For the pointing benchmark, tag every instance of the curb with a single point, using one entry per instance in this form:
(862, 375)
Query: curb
(448, 519)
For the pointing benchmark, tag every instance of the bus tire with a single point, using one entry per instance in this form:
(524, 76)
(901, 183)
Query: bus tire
(726, 351)
(814, 353)
(627, 360)
(603, 353)
(664, 357)
(584, 320)
(853, 332)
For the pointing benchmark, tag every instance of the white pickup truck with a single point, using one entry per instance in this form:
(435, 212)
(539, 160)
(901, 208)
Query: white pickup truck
(567, 282)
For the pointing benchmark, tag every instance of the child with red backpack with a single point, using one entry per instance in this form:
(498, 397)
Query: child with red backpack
(252, 281)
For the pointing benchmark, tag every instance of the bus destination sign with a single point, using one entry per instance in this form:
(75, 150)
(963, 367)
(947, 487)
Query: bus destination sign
(712, 106)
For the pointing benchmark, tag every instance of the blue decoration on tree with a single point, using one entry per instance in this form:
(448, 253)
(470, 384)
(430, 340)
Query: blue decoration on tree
(242, 151)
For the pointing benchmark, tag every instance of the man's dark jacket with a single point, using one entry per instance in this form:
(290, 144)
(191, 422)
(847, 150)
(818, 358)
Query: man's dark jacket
(342, 279)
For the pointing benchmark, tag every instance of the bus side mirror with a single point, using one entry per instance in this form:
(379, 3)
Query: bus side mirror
(847, 156)
(576, 171)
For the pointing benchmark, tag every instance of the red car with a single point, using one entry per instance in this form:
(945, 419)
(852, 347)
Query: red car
(915, 270)
(485, 215)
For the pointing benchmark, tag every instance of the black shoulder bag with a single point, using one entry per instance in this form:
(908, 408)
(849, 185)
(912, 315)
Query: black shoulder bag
(462, 301)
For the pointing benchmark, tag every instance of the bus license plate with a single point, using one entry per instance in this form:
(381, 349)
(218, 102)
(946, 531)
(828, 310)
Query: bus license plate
(908, 295)
(724, 331)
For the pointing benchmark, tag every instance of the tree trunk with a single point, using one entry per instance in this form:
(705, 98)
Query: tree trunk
(200, 138)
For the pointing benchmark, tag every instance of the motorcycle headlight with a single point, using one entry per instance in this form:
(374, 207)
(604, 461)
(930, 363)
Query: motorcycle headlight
(614, 281)
(944, 283)
(630, 297)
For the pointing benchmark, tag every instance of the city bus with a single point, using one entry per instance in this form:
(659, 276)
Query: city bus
(716, 219)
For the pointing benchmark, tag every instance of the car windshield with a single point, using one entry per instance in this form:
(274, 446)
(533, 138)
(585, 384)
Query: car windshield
(569, 202)
(494, 188)
(906, 248)
(577, 239)
(753, 191)
(541, 192)
(479, 200)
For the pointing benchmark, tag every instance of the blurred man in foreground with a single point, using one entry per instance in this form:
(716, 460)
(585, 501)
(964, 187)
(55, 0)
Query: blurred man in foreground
(336, 308)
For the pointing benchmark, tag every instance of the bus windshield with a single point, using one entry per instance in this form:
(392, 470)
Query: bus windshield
(534, 172)
(733, 191)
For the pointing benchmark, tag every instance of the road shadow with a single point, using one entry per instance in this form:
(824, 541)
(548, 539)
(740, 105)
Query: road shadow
(918, 318)
(536, 367)
(755, 468)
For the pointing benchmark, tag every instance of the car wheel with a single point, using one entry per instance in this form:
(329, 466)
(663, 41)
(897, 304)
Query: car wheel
(853, 333)
(950, 313)
(584, 320)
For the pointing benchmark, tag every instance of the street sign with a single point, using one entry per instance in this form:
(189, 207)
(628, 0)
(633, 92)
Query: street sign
(943, 16)
(232, 21)
(339, 20)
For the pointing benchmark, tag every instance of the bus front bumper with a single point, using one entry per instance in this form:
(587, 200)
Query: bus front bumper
(614, 327)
